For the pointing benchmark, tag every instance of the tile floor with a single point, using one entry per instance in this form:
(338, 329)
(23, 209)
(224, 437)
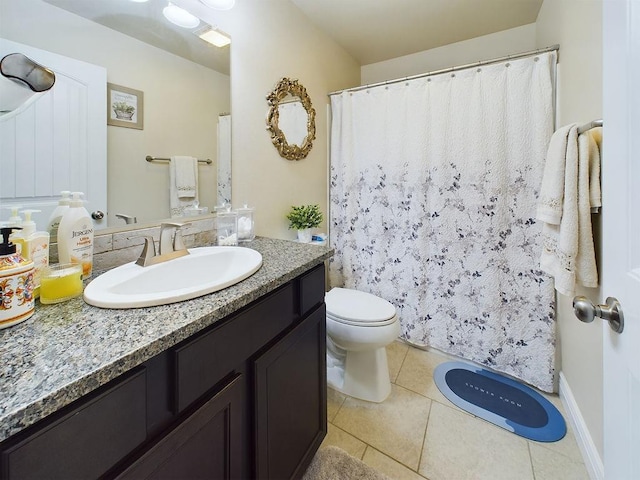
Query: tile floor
(417, 433)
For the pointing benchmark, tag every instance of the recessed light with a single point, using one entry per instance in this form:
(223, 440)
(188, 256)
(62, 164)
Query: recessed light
(213, 36)
(219, 4)
(139, 1)
(180, 17)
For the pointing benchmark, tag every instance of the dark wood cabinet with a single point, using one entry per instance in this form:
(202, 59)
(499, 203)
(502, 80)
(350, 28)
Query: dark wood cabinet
(83, 441)
(207, 444)
(244, 398)
(290, 400)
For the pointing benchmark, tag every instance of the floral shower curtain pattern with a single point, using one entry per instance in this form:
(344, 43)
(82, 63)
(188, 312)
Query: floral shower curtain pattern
(433, 192)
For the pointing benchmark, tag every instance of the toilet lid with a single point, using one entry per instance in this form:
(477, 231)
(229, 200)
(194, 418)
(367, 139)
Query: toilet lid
(353, 306)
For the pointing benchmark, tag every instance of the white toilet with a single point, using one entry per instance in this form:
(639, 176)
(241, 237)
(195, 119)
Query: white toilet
(359, 327)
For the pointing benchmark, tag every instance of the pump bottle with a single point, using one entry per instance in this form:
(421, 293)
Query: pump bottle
(75, 236)
(16, 283)
(56, 215)
(34, 246)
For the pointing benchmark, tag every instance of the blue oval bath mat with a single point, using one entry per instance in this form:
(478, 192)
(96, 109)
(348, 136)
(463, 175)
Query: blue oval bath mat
(501, 401)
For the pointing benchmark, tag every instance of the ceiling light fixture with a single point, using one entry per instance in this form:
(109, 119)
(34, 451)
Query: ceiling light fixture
(139, 1)
(219, 4)
(213, 36)
(180, 17)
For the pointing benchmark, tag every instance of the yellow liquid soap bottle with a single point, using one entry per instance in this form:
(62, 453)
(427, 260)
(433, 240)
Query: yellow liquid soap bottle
(75, 236)
(16, 283)
(34, 246)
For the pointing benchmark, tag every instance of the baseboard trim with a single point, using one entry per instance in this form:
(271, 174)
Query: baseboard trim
(592, 460)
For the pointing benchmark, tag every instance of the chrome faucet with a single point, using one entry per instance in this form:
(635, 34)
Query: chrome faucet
(128, 219)
(171, 245)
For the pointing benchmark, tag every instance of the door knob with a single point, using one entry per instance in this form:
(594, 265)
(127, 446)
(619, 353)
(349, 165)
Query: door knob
(97, 215)
(611, 311)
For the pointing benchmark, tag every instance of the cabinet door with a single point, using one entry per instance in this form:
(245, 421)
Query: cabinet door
(291, 400)
(86, 439)
(207, 445)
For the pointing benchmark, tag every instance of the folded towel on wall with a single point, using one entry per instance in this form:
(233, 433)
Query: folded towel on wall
(570, 188)
(183, 183)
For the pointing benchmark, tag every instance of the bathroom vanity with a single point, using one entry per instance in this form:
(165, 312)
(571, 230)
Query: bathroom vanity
(228, 385)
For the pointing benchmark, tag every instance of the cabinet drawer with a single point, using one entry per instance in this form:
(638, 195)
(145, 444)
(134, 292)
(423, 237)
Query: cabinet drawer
(87, 440)
(204, 361)
(312, 285)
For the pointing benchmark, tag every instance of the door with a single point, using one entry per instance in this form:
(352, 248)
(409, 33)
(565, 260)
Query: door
(621, 236)
(56, 142)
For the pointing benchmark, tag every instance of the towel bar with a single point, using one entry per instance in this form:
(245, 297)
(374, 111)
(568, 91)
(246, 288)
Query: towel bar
(149, 158)
(589, 126)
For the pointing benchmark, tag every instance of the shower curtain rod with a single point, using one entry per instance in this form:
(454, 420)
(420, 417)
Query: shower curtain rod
(589, 126)
(452, 69)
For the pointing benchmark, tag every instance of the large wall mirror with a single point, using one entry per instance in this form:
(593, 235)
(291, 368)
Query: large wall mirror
(186, 92)
(291, 119)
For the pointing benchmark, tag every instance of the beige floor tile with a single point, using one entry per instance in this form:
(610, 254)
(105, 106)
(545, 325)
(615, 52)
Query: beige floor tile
(459, 446)
(335, 400)
(417, 370)
(340, 438)
(567, 446)
(396, 352)
(549, 465)
(388, 466)
(395, 427)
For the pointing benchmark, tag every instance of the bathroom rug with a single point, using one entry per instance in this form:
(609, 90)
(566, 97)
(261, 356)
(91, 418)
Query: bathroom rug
(501, 401)
(333, 463)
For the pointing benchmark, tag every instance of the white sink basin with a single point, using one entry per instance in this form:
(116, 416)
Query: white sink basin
(205, 270)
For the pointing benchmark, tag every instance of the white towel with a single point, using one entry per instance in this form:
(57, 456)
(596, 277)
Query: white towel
(183, 183)
(588, 198)
(595, 192)
(568, 189)
(550, 204)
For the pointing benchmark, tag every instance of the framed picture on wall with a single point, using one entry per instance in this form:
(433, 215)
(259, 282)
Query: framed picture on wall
(125, 107)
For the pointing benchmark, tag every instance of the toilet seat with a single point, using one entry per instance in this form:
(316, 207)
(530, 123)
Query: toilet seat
(353, 307)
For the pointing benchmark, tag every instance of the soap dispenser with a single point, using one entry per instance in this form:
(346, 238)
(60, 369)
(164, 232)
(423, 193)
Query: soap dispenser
(14, 220)
(34, 246)
(16, 283)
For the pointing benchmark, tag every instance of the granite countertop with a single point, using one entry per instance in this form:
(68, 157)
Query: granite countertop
(66, 350)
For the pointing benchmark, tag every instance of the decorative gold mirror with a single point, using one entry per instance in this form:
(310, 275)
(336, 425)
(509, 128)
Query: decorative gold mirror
(291, 119)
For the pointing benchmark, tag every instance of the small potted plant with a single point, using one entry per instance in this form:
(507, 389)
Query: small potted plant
(303, 219)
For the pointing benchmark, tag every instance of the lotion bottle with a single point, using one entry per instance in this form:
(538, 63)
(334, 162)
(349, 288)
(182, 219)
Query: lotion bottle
(75, 236)
(56, 215)
(33, 246)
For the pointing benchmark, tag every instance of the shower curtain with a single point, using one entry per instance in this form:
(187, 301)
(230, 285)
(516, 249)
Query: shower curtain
(433, 185)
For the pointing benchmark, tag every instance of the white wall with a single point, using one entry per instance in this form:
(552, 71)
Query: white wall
(182, 101)
(273, 39)
(494, 45)
(577, 26)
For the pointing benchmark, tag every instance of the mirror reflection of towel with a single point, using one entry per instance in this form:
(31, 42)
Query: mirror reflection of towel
(185, 172)
(183, 183)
